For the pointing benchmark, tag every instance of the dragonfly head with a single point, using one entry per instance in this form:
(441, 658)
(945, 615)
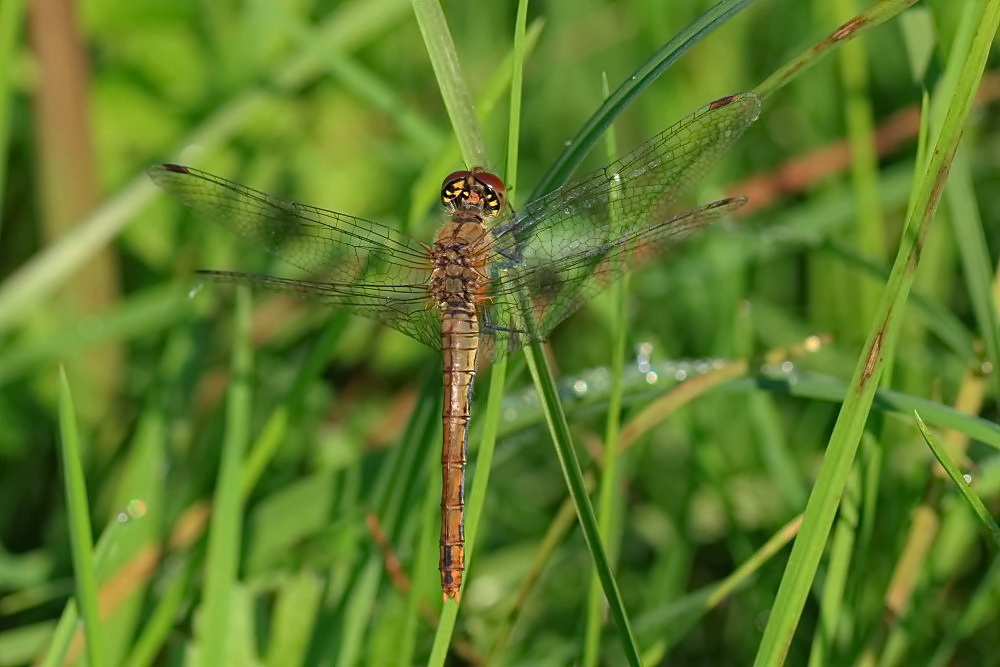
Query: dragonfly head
(476, 191)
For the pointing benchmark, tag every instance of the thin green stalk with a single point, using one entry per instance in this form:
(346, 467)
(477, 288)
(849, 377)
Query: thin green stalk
(648, 72)
(491, 416)
(559, 429)
(267, 444)
(870, 226)
(824, 499)
(609, 467)
(391, 495)
(833, 612)
(871, 18)
(160, 623)
(975, 502)
(11, 23)
(78, 509)
(225, 528)
(448, 70)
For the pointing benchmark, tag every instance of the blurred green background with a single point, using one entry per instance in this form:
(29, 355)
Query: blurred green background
(335, 104)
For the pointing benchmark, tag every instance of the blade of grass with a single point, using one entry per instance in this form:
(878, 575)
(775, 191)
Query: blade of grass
(672, 620)
(960, 482)
(393, 492)
(224, 535)
(960, 199)
(609, 468)
(11, 13)
(824, 499)
(870, 230)
(448, 70)
(78, 511)
(424, 192)
(872, 17)
(498, 376)
(626, 93)
(67, 630)
(812, 385)
(555, 417)
(458, 102)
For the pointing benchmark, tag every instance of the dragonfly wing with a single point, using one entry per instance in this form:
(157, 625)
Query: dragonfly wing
(645, 182)
(529, 298)
(326, 244)
(559, 248)
(405, 308)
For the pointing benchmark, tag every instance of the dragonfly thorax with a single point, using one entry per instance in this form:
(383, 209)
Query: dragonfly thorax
(476, 192)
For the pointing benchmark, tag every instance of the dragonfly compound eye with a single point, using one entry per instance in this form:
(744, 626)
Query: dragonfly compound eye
(453, 186)
(494, 191)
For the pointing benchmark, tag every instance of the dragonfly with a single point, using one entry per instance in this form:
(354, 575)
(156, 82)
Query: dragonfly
(493, 277)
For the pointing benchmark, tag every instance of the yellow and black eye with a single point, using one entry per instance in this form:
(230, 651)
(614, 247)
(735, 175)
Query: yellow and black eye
(495, 192)
(492, 202)
(453, 186)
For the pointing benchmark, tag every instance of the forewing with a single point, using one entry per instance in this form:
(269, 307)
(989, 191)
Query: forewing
(557, 249)
(356, 264)
(326, 244)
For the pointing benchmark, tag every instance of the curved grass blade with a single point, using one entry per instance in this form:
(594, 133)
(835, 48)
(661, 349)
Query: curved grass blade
(967, 61)
(974, 501)
(626, 93)
(78, 511)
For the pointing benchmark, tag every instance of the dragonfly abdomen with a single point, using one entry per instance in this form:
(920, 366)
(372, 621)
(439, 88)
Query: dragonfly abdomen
(459, 344)
(458, 285)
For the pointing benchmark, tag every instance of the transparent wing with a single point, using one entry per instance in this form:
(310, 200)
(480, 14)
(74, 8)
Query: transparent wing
(558, 248)
(528, 302)
(405, 308)
(357, 264)
(327, 244)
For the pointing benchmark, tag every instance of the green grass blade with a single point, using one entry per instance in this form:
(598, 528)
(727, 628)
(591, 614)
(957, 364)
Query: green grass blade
(224, 536)
(78, 510)
(824, 499)
(960, 199)
(609, 466)
(555, 417)
(958, 479)
(448, 70)
(626, 93)
(871, 18)
(11, 24)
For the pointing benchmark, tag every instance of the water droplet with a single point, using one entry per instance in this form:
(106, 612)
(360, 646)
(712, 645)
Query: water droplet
(580, 387)
(194, 290)
(135, 509)
(967, 477)
(652, 377)
(787, 366)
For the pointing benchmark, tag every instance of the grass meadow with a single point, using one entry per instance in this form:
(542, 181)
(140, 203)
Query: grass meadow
(776, 444)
